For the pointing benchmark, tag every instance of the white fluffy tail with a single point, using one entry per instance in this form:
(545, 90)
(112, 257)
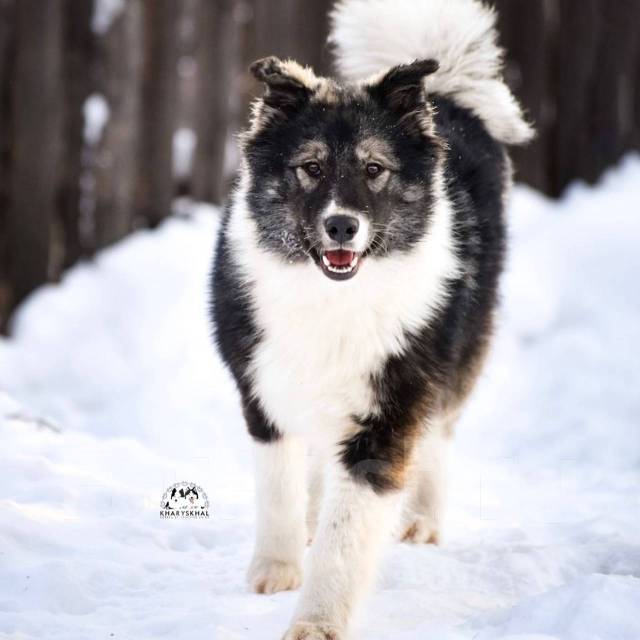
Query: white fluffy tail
(373, 35)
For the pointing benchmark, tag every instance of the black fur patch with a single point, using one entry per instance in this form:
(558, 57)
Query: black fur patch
(259, 426)
(236, 333)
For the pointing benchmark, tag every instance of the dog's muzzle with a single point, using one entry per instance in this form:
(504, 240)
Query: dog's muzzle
(341, 262)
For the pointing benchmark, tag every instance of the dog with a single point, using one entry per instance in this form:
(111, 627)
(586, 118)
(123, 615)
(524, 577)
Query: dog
(354, 287)
(182, 498)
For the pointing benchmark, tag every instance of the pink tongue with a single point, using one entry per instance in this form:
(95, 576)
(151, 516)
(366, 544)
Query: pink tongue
(339, 258)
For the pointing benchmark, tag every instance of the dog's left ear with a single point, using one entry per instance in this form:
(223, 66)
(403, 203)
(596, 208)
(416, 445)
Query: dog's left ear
(289, 85)
(401, 88)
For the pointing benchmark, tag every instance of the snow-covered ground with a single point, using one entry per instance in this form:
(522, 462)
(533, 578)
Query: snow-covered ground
(110, 392)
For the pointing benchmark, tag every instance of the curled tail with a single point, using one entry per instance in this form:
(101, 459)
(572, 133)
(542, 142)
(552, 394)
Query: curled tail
(372, 35)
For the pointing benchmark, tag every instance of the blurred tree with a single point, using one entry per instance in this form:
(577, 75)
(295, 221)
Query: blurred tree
(575, 65)
(77, 62)
(6, 42)
(36, 135)
(156, 65)
(155, 187)
(215, 66)
(614, 76)
(286, 29)
(120, 59)
(525, 29)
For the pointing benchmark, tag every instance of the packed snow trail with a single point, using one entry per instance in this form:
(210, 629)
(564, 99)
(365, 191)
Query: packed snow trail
(110, 391)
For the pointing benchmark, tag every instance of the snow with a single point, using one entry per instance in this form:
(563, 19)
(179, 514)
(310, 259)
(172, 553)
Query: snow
(184, 145)
(105, 12)
(110, 391)
(96, 116)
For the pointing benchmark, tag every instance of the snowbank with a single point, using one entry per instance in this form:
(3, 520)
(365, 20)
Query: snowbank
(110, 391)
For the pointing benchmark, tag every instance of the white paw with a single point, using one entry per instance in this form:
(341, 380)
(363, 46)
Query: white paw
(312, 631)
(267, 575)
(421, 530)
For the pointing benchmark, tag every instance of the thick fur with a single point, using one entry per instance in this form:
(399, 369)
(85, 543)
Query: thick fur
(370, 35)
(366, 364)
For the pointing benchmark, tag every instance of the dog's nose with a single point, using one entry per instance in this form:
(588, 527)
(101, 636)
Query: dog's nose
(341, 228)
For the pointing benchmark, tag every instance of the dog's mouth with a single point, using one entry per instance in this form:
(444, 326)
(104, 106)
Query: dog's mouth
(340, 264)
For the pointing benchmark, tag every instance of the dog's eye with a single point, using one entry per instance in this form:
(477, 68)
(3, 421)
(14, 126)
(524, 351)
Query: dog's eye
(312, 168)
(374, 169)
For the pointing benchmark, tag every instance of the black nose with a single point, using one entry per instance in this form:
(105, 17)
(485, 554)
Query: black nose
(341, 228)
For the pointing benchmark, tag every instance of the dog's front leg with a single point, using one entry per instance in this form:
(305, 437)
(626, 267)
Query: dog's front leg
(280, 514)
(355, 521)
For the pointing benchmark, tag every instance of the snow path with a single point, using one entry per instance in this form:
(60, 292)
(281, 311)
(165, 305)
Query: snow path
(110, 391)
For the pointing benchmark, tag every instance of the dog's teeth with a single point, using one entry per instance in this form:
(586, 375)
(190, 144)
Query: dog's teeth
(339, 269)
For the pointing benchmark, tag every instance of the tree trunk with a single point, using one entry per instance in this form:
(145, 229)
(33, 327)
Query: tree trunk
(215, 67)
(284, 29)
(7, 47)
(244, 87)
(309, 43)
(634, 142)
(116, 170)
(610, 124)
(526, 33)
(78, 57)
(157, 124)
(575, 65)
(36, 108)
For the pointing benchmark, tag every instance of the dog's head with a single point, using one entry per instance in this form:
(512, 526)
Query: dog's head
(191, 494)
(340, 172)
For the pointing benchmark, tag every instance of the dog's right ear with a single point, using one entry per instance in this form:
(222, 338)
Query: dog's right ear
(289, 86)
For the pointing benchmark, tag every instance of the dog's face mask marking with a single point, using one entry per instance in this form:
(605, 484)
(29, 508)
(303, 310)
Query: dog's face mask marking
(340, 173)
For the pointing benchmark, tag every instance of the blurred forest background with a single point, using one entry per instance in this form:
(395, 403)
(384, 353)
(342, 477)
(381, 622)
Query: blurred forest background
(109, 109)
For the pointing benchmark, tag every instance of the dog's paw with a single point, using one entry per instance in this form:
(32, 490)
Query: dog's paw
(267, 575)
(421, 531)
(312, 631)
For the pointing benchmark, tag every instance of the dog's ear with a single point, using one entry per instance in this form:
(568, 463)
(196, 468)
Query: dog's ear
(401, 88)
(402, 91)
(288, 85)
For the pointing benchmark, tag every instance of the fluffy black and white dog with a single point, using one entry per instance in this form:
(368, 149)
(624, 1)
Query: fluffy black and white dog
(355, 283)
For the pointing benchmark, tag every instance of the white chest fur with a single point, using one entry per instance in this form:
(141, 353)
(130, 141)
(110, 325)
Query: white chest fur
(321, 339)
